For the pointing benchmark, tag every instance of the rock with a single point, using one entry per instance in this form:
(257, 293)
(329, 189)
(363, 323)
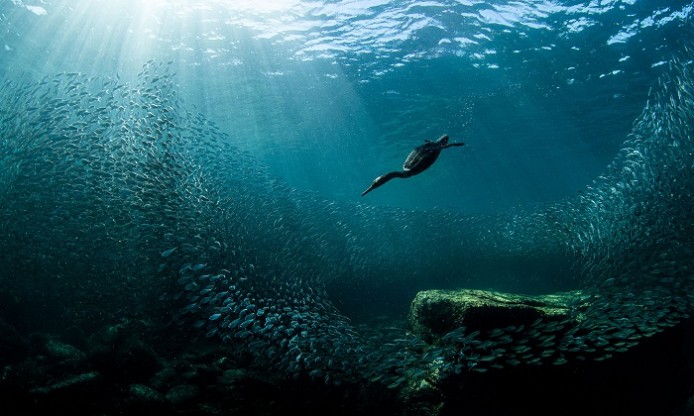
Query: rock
(21, 376)
(80, 383)
(533, 345)
(163, 378)
(62, 351)
(144, 398)
(434, 313)
(232, 376)
(53, 370)
(29, 389)
(129, 360)
(181, 394)
(118, 332)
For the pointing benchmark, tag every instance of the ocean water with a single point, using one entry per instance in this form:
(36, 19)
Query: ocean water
(543, 94)
(197, 167)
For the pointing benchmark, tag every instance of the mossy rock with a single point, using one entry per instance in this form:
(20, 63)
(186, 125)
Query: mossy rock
(434, 313)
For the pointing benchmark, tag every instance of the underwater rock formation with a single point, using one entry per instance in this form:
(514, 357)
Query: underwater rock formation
(434, 313)
(476, 330)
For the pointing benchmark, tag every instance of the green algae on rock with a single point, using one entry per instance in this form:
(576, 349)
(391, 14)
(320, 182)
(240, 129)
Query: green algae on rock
(434, 313)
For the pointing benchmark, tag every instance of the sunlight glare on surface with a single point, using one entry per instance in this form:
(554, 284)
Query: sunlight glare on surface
(265, 6)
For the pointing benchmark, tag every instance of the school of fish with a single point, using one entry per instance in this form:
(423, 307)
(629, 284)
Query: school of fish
(114, 196)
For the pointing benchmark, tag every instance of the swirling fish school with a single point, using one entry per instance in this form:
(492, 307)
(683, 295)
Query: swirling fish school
(130, 200)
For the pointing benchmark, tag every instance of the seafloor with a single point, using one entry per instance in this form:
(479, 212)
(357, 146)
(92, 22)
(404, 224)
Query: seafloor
(134, 367)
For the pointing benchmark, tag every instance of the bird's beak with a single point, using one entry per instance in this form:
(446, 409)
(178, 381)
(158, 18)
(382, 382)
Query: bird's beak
(369, 189)
(375, 184)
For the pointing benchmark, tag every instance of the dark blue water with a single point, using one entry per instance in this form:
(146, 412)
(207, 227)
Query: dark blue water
(198, 168)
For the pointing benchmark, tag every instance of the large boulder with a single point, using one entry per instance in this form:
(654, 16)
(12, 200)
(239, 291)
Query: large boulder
(493, 352)
(434, 313)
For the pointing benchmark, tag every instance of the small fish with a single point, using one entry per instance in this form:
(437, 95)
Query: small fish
(167, 253)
